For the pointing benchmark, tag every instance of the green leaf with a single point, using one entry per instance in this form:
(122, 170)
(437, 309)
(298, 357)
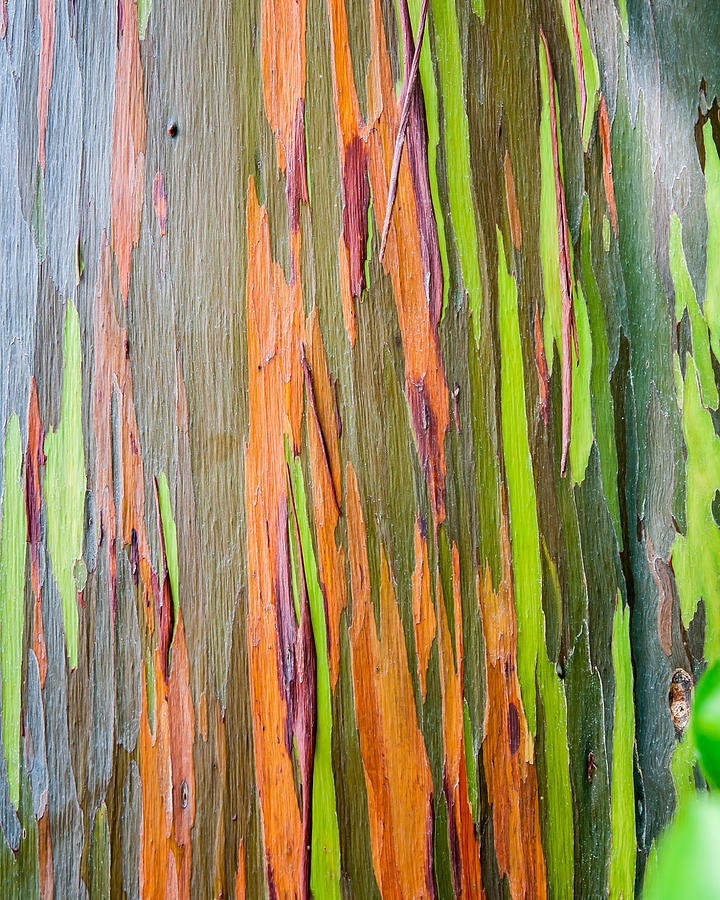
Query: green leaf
(688, 862)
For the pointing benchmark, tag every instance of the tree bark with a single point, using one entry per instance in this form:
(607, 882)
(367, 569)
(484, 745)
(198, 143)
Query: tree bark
(326, 574)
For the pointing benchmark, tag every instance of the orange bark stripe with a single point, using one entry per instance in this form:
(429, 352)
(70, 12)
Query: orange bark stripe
(181, 716)
(240, 873)
(167, 777)
(274, 323)
(397, 773)
(157, 795)
(507, 743)
(127, 181)
(283, 74)
(46, 12)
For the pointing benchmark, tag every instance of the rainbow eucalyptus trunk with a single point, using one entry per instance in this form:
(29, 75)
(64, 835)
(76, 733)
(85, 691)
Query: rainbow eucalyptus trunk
(325, 573)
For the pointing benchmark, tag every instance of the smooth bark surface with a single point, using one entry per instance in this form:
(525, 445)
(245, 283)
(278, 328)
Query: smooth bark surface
(325, 574)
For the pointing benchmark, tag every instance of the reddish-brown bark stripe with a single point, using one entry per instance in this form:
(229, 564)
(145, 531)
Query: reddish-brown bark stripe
(356, 199)
(513, 211)
(604, 131)
(542, 369)
(579, 63)
(567, 316)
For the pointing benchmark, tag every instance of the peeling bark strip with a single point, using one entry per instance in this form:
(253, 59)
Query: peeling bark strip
(326, 486)
(283, 77)
(46, 12)
(407, 95)
(568, 327)
(274, 315)
(423, 611)
(416, 141)
(397, 774)
(464, 846)
(129, 130)
(160, 201)
(508, 750)
(353, 162)
(511, 199)
(34, 459)
(579, 65)
(300, 678)
(318, 426)
(119, 470)
(542, 369)
(425, 384)
(604, 130)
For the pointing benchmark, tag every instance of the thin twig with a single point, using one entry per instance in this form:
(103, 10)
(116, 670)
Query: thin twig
(405, 115)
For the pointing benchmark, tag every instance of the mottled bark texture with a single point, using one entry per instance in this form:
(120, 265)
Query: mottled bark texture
(337, 575)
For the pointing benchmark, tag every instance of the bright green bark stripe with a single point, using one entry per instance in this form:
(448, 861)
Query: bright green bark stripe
(65, 483)
(622, 791)
(549, 244)
(559, 852)
(479, 9)
(170, 538)
(581, 428)
(527, 570)
(681, 766)
(470, 766)
(695, 555)
(325, 842)
(457, 152)
(600, 378)
(685, 298)
(12, 587)
(622, 4)
(527, 580)
(590, 68)
(144, 8)
(712, 206)
(427, 79)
